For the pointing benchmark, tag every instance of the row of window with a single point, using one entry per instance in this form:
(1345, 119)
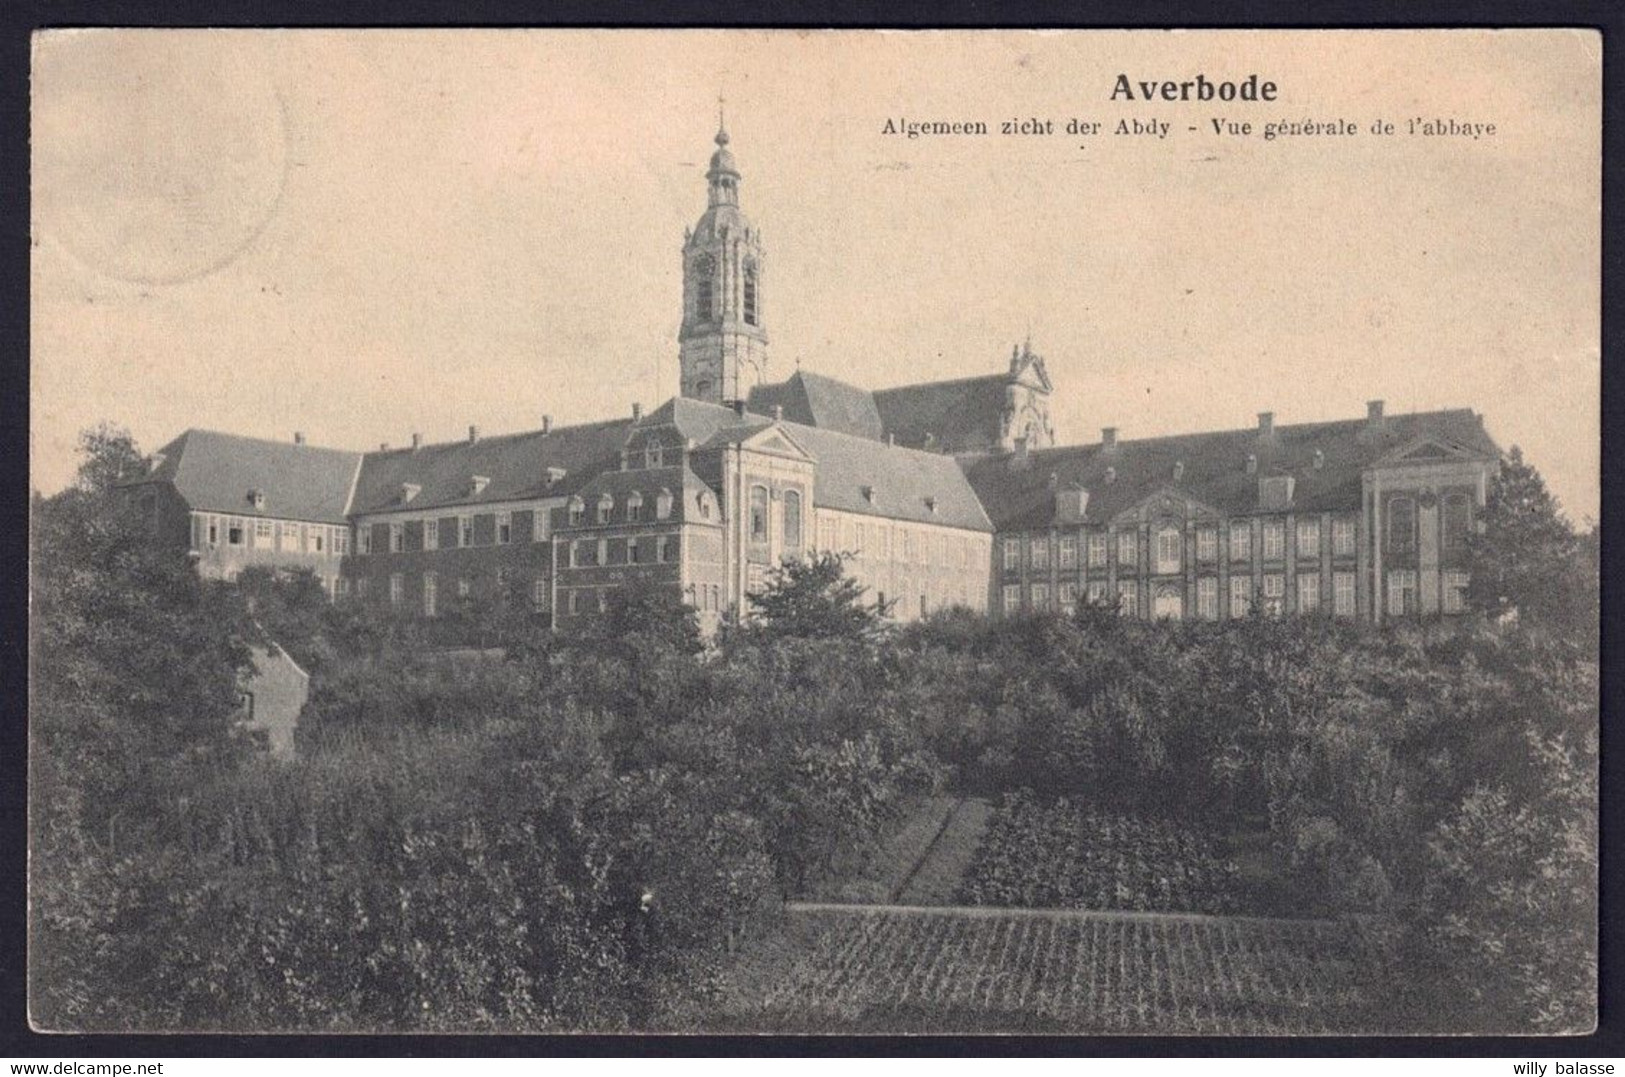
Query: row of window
(874, 541)
(1455, 522)
(1168, 544)
(539, 593)
(634, 509)
(1169, 601)
(789, 517)
(460, 532)
(588, 553)
(256, 534)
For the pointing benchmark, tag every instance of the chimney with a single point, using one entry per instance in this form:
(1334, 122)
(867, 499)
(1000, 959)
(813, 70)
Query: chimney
(1266, 423)
(1252, 463)
(473, 433)
(547, 424)
(298, 437)
(383, 446)
(1373, 412)
(1108, 437)
(739, 408)
(417, 442)
(637, 411)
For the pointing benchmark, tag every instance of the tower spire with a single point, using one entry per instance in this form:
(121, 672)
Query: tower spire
(722, 330)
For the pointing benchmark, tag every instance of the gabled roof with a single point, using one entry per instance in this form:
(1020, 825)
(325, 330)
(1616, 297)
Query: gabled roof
(815, 400)
(516, 465)
(958, 416)
(1215, 467)
(900, 480)
(216, 472)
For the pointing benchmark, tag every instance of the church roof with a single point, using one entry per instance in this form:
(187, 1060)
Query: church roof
(959, 416)
(1019, 497)
(854, 474)
(516, 465)
(217, 472)
(815, 400)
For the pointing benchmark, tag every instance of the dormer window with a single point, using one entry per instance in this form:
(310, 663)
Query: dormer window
(931, 505)
(606, 505)
(409, 490)
(869, 494)
(477, 485)
(555, 475)
(578, 512)
(1252, 463)
(1179, 470)
(1275, 491)
(653, 456)
(663, 504)
(634, 507)
(1111, 475)
(256, 498)
(702, 501)
(1320, 459)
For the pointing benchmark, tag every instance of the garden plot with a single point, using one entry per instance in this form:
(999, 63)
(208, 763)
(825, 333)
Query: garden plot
(942, 970)
(1064, 855)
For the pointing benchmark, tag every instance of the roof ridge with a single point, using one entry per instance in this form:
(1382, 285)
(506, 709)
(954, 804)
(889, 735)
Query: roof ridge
(942, 381)
(260, 440)
(510, 436)
(1247, 430)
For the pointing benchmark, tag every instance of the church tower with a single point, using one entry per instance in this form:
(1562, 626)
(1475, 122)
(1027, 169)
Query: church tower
(722, 340)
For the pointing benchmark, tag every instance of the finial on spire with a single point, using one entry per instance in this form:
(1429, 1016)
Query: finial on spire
(722, 120)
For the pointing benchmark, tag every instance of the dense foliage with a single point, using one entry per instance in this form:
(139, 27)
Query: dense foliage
(574, 832)
(1441, 779)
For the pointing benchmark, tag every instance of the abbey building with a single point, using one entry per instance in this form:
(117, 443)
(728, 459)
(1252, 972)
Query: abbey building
(953, 493)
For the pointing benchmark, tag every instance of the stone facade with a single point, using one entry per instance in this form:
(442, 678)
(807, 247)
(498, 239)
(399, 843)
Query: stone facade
(942, 494)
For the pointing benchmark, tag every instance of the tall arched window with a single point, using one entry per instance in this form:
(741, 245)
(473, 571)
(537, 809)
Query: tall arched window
(750, 294)
(705, 275)
(1458, 520)
(1169, 542)
(792, 521)
(1402, 524)
(758, 514)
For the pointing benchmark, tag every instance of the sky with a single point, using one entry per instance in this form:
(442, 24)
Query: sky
(365, 234)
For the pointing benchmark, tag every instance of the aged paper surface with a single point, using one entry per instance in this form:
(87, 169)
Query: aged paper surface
(238, 225)
(1023, 325)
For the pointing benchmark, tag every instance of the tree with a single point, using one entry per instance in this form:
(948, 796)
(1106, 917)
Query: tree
(135, 667)
(815, 599)
(110, 456)
(1526, 558)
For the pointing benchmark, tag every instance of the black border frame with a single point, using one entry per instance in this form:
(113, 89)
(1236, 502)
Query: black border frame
(17, 23)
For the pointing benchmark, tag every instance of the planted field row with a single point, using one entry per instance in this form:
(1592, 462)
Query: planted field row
(1063, 855)
(891, 971)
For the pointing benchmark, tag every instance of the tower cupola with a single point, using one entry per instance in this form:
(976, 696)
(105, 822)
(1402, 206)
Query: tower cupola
(722, 341)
